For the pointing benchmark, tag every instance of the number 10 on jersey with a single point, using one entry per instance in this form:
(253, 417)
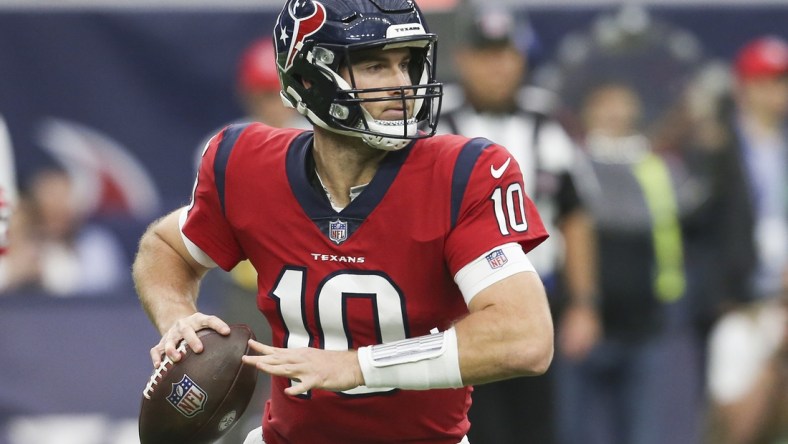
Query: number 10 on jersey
(510, 210)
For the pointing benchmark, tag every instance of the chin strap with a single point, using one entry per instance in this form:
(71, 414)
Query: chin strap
(384, 143)
(386, 128)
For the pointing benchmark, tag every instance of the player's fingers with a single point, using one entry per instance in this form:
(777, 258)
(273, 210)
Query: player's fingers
(168, 345)
(172, 338)
(172, 349)
(155, 355)
(285, 369)
(215, 323)
(157, 352)
(261, 348)
(299, 388)
(192, 340)
(249, 360)
(262, 366)
(277, 359)
(188, 328)
(263, 363)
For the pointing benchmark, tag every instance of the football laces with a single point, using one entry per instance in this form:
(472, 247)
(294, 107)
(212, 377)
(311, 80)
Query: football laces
(160, 371)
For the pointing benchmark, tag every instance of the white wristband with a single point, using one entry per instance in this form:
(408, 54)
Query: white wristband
(421, 363)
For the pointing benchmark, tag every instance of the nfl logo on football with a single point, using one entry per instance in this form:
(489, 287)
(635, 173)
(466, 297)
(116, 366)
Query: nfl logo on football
(496, 259)
(337, 231)
(187, 397)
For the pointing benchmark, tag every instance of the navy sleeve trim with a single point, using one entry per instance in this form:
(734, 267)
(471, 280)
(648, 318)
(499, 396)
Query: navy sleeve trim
(462, 173)
(229, 137)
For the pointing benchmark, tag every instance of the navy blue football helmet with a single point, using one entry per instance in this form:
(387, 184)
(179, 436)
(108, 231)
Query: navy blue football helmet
(315, 38)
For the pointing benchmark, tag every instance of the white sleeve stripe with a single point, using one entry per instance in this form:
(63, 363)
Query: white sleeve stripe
(480, 274)
(196, 252)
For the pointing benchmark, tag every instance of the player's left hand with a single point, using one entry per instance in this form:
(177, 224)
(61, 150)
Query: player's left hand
(311, 368)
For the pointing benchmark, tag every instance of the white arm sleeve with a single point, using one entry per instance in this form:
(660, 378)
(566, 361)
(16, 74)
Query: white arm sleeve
(491, 267)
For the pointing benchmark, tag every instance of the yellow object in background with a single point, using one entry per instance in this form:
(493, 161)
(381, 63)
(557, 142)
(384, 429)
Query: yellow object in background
(245, 275)
(654, 178)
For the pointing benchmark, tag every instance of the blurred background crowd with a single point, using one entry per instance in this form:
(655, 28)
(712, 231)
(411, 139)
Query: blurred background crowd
(652, 136)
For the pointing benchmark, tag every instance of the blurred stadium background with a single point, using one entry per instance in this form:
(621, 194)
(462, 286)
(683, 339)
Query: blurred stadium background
(102, 87)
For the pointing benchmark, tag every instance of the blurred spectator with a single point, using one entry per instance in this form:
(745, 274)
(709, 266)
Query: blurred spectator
(257, 91)
(7, 186)
(654, 57)
(657, 200)
(748, 348)
(639, 384)
(759, 125)
(748, 379)
(258, 87)
(55, 250)
(492, 62)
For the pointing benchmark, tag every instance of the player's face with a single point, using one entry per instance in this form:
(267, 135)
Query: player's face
(382, 69)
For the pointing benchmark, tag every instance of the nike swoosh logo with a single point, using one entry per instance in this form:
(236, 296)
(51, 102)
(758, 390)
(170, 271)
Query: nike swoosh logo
(498, 172)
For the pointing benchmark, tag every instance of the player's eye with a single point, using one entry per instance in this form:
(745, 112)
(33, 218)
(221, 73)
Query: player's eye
(373, 67)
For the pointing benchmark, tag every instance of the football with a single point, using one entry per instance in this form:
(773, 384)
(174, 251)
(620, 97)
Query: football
(199, 398)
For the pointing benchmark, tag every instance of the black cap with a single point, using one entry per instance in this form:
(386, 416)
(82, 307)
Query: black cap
(494, 27)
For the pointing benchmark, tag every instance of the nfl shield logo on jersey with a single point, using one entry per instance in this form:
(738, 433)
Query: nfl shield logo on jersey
(187, 397)
(496, 259)
(337, 231)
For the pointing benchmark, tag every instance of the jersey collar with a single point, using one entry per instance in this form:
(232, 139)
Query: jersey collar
(300, 174)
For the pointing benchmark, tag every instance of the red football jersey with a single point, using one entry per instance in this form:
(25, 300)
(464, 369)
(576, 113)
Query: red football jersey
(378, 271)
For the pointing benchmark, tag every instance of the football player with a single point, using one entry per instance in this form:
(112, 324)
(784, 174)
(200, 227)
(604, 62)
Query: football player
(391, 263)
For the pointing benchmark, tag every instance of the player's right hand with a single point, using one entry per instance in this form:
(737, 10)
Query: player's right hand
(579, 331)
(312, 368)
(185, 329)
